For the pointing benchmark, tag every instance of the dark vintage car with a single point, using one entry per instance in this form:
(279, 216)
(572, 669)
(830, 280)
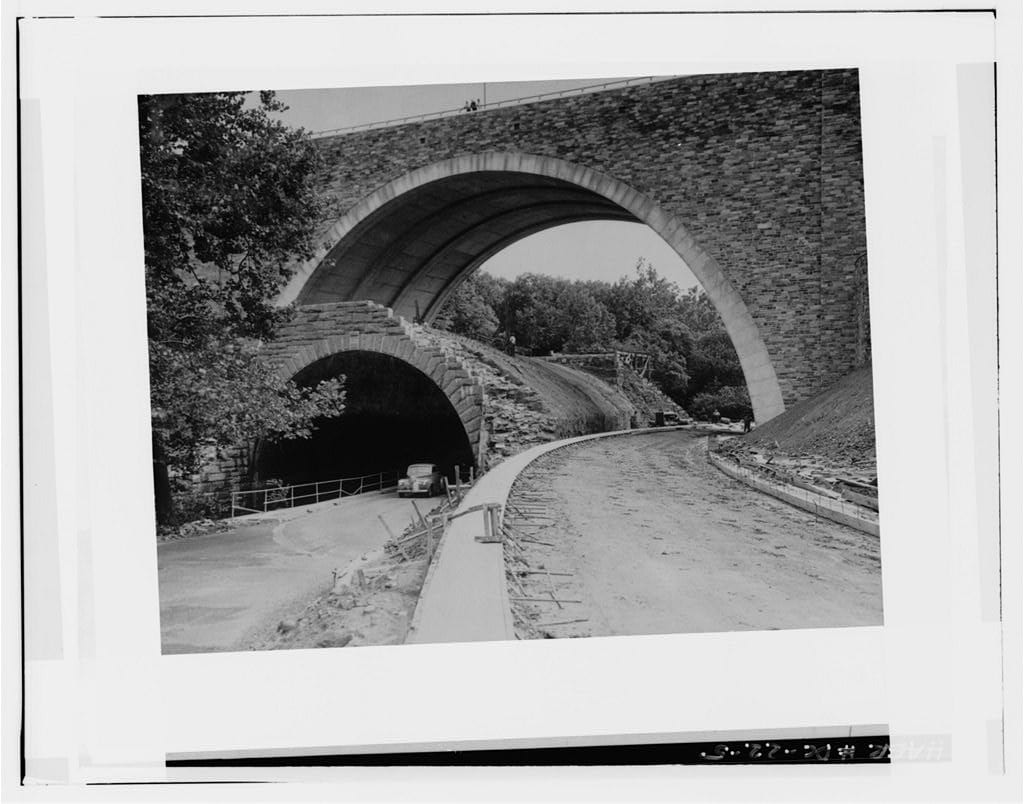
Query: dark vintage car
(420, 478)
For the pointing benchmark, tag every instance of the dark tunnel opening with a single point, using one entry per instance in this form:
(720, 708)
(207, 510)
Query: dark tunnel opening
(395, 415)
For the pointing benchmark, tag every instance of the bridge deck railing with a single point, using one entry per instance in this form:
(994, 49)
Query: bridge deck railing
(421, 118)
(272, 498)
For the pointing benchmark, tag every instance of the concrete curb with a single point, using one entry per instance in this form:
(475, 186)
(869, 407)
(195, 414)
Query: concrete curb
(845, 513)
(464, 596)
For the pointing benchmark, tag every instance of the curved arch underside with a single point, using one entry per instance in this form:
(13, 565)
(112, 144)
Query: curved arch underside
(412, 252)
(395, 415)
(408, 244)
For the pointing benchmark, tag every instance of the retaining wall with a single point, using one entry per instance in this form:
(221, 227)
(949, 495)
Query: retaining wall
(844, 513)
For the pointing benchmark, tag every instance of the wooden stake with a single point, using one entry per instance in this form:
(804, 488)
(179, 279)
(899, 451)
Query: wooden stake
(415, 508)
(544, 600)
(385, 524)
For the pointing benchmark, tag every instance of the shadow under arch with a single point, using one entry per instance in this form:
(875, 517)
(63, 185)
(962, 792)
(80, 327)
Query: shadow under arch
(397, 413)
(409, 243)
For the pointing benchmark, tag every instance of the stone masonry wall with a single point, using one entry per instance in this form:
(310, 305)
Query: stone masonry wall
(764, 170)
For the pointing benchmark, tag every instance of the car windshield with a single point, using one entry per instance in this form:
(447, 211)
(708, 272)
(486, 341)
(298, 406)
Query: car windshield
(420, 470)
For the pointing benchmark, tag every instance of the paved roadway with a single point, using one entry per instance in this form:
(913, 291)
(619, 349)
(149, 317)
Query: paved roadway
(216, 590)
(659, 541)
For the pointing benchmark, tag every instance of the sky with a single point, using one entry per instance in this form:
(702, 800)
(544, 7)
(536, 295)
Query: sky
(605, 250)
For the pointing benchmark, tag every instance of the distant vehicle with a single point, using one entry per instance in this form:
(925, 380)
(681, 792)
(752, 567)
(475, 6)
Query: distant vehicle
(666, 418)
(420, 478)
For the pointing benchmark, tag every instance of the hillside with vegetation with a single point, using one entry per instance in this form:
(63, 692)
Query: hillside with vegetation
(532, 401)
(692, 359)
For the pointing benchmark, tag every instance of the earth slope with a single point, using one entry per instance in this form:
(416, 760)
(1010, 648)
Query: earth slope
(531, 401)
(835, 428)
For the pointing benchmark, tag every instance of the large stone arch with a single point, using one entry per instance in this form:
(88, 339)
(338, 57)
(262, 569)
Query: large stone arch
(564, 191)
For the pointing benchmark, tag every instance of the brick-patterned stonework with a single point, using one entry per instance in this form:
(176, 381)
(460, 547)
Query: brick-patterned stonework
(756, 179)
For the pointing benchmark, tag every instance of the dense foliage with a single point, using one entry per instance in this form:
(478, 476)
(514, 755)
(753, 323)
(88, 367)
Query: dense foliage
(228, 202)
(693, 359)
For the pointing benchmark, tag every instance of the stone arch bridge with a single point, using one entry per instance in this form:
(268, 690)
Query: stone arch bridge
(754, 179)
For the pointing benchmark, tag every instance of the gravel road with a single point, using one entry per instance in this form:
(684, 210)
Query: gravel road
(217, 590)
(656, 540)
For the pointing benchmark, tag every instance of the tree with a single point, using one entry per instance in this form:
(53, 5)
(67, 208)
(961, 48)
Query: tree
(228, 202)
(469, 311)
(530, 312)
(588, 326)
(731, 401)
(550, 314)
(714, 362)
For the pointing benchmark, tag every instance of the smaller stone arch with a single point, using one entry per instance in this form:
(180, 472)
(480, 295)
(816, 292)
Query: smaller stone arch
(319, 331)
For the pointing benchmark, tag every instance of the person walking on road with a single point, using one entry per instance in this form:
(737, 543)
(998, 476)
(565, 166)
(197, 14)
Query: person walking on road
(746, 422)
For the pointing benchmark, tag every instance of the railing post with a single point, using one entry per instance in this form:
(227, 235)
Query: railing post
(316, 490)
(265, 491)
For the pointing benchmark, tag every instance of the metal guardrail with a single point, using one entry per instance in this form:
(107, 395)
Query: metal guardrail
(420, 118)
(271, 498)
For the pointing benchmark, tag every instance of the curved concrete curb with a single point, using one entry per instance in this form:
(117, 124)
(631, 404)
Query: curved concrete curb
(844, 513)
(464, 596)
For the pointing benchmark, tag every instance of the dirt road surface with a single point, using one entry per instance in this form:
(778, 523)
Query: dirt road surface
(654, 540)
(216, 591)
